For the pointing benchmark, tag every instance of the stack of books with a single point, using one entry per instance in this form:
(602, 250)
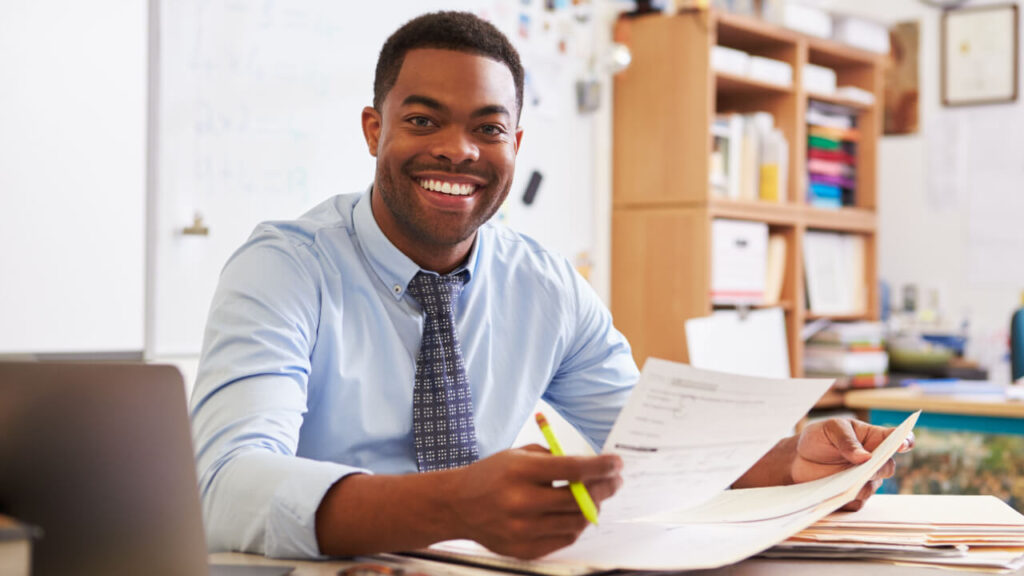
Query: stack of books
(831, 155)
(978, 533)
(749, 158)
(852, 353)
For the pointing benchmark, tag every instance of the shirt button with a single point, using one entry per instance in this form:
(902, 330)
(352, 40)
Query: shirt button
(397, 289)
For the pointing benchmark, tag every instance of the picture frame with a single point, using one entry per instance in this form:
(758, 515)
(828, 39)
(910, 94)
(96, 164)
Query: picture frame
(980, 55)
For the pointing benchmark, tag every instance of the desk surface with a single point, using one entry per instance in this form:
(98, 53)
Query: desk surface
(911, 399)
(752, 567)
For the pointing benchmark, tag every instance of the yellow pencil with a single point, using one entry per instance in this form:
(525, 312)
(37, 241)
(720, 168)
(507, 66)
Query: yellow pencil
(579, 491)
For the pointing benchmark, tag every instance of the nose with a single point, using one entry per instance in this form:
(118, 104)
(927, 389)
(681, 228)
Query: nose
(456, 145)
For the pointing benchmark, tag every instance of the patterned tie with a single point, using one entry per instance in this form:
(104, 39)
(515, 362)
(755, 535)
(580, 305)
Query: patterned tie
(442, 404)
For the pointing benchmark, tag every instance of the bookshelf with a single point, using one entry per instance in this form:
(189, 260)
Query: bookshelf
(663, 205)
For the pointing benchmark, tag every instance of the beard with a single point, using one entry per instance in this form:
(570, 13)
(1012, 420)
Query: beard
(431, 227)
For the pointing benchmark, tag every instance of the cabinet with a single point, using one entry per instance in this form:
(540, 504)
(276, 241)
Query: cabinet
(663, 206)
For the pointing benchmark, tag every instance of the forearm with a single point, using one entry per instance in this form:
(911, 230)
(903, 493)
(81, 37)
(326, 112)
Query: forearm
(363, 514)
(773, 469)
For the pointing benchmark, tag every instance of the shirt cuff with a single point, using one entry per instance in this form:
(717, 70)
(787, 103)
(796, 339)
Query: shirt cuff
(291, 522)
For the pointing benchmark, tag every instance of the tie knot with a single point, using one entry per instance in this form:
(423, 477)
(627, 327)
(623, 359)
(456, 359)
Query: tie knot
(435, 293)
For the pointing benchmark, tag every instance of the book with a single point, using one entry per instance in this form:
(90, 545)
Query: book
(15, 547)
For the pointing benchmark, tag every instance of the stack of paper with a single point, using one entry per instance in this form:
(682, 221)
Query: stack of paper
(834, 269)
(852, 352)
(962, 532)
(684, 437)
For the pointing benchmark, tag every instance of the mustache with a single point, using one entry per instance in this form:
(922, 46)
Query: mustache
(448, 167)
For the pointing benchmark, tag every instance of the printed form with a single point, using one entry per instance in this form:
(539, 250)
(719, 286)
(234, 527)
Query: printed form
(687, 434)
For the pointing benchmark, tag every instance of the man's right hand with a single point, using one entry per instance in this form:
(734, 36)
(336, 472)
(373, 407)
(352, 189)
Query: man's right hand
(508, 504)
(505, 502)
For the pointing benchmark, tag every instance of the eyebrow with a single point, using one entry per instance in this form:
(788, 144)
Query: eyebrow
(436, 105)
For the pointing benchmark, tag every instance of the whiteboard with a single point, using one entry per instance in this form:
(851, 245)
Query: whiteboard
(257, 117)
(72, 175)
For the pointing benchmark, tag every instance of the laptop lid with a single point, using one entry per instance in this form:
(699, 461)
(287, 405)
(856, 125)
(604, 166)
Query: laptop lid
(100, 457)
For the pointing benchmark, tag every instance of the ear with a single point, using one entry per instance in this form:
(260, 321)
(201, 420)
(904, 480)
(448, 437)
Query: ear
(371, 129)
(519, 138)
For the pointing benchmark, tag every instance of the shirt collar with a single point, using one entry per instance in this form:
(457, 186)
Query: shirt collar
(392, 267)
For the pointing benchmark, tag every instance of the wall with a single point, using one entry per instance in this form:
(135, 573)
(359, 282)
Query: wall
(950, 197)
(72, 176)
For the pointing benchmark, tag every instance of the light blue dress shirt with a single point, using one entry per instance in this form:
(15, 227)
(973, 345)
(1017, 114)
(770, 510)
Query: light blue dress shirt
(309, 358)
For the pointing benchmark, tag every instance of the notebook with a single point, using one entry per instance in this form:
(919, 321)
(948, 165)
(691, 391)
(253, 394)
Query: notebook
(99, 456)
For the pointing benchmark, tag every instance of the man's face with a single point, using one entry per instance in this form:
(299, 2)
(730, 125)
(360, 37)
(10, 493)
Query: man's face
(445, 140)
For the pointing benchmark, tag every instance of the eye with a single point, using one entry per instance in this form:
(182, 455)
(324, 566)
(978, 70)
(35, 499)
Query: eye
(492, 129)
(421, 122)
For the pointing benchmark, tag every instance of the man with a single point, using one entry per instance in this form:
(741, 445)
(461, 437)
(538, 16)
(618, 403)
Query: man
(398, 331)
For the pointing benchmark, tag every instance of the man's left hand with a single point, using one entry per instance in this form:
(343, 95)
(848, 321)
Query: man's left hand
(830, 446)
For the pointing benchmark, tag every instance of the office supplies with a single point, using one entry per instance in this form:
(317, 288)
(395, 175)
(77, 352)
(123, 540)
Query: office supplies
(807, 19)
(851, 352)
(579, 491)
(738, 261)
(953, 531)
(730, 60)
(834, 269)
(771, 70)
(99, 457)
(862, 33)
(819, 79)
(753, 344)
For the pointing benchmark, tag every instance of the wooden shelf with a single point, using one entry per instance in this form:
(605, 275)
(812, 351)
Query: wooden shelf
(808, 315)
(729, 84)
(663, 207)
(750, 34)
(786, 305)
(840, 220)
(781, 213)
(833, 99)
(856, 220)
(835, 55)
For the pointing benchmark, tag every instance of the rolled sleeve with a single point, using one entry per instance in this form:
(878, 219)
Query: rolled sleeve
(249, 401)
(598, 372)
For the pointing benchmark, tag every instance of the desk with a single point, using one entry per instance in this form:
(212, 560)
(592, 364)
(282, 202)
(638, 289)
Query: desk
(987, 413)
(966, 443)
(752, 567)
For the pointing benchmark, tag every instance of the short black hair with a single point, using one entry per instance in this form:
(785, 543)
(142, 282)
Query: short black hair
(459, 31)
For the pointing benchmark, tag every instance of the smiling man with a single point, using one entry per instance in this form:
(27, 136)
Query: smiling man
(366, 367)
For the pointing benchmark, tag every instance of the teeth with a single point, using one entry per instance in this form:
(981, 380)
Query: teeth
(451, 188)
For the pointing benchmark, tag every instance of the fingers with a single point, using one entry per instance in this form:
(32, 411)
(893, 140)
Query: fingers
(865, 492)
(842, 434)
(541, 467)
(886, 471)
(908, 444)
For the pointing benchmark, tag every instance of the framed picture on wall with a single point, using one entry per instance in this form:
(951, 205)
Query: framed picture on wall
(979, 55)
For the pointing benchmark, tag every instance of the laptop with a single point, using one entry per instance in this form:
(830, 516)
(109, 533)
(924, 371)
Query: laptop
(99, 456)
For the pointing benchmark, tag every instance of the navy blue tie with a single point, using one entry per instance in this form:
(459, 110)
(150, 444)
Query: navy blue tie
(442, 403)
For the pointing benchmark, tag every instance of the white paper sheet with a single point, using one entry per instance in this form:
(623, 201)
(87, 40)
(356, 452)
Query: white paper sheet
(687, 434)
(753, 343)
(648, 545)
